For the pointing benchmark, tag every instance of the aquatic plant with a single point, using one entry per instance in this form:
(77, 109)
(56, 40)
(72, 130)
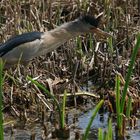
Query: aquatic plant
(106, 135)
(60, 108)
(1, 99)
(100, 134)
(95, 111)
(120, 103)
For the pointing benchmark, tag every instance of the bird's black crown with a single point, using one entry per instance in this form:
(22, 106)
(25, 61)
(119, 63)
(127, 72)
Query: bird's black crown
(90, 20)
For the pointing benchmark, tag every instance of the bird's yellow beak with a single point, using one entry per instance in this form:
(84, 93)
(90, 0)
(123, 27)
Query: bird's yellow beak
(100, 32)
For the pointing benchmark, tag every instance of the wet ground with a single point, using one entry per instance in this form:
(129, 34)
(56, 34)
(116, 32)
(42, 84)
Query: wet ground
(77, 121)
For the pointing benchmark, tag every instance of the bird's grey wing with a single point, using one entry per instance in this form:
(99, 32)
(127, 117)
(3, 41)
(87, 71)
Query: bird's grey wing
(18, 40)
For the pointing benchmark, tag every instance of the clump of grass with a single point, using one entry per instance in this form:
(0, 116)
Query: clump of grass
(60, 108)
(120, 104)
(1, 99)
(100, 134)
(129, 107)
(92, 119)
(130, 69)
(110, 132)
(106, 135)
(79, 46)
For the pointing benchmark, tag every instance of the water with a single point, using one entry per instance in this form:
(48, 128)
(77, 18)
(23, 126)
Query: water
(101, 121)
(79, 120)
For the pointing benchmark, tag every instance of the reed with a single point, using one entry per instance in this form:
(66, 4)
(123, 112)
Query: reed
(100, 134)
(130, 69)
(120, 103)
(129, 107)
(79, 45)
(118, 106)
(106, 135)
(110, 132)
(60, 109)
(63, 109)
(1, 101)
(98, 106)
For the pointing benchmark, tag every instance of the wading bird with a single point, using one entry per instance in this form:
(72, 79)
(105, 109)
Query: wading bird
(32, 44)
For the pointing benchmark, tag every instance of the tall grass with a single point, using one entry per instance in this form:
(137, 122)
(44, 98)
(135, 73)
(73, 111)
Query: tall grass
(63, 109)
(129, 107)
(106, 135)
(110, 132)
(120, 104)
(79, 45)
(130, 69)
(1, 99)
(100, 134)
(60, 108)
(92, 119)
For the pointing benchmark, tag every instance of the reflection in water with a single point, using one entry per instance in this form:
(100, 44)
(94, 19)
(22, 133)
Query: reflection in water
(101, 120)
(23, 134)
(80, 121)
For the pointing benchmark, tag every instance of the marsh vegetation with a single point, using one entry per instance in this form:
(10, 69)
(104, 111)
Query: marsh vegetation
(55, 96)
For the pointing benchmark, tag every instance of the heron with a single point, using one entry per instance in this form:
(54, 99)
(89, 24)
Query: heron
(29, 45)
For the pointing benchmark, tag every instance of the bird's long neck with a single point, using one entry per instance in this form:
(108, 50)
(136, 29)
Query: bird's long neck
(65, 31)
(56, 37)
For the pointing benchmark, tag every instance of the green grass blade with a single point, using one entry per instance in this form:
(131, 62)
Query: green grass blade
(63, 109)
(118, 100)
(128, 109)
(79, 45)
(100, 134)
(90, 41)
(91, 119)
(84, 4)
(110, 44)
(130, 69)
(105, 136)
(110, 133)
(49, 94)
(1, 104)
